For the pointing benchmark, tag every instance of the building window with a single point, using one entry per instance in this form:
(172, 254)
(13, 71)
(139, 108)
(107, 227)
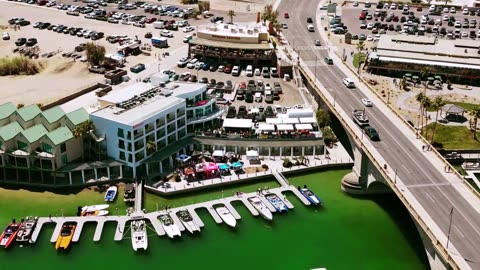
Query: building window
(121, 155)
(130, 157)
(46, 148)
(129, 148)
(139, 144)
(120, 133)
(21, 145)
(121, 144)
(190, 114)
(64, 159)
(129, 135)
(63, 148)
(160, 122)
(139, 156)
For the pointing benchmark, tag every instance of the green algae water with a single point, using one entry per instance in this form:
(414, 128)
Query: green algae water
(347, 233)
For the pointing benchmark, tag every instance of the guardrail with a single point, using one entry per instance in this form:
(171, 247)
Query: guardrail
(435, 242)
(418, 134)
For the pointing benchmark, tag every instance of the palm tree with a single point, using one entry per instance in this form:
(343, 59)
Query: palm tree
(424, 75)
(475, 112)
(231, 14)
(151, 147)
(427, 102)
(437, 104)
(83, 131)
(403, 83)
(420, 97)
(267, 13)
(360, 48)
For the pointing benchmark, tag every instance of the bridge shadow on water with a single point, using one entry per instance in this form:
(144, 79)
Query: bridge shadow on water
(402, 219)
(341, 134)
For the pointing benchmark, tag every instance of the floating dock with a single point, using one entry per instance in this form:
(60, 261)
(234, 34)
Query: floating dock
(138, 213)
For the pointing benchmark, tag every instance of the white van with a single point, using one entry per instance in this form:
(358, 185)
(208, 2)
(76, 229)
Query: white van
(158, 25)
(348, 83)
(258, 97)
(249, 71)
(310, 28)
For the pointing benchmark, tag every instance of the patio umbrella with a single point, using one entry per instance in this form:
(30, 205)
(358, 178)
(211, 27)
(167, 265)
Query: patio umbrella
(437, 82)
(408, 79)
(223, 167)
(237, 165)
(196, 153)
(207, 153)
(407, 75)
(430, 79)
(438, 77)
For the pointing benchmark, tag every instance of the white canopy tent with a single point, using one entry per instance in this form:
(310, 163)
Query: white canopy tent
(303, 126)
(308, 120)
(252, 154)
(273, 120)
(266, 127)
(285, 127)
(290, 120)
(218, 153)
(237, 123)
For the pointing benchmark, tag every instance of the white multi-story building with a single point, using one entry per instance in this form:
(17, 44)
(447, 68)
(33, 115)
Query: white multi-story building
(143, 119)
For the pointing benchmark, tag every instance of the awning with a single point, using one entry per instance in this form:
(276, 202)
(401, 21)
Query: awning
(267, 127)
(273, 120)
(237, 165)
(218, 153)
(252, 153)
(223, 167)
(284, 127)
(303, 127)
(290, 120)
(308, 120)
(237, 123)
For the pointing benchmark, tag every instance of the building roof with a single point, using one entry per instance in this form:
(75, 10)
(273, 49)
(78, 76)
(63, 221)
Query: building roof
(231, 45)
(29, 112)
(126, 92)
(53, 114)
(60, 135)
(237, 123)
(78, 116)
(6, 110)
(10, 130)
(235, 30)
(453, 109)
(34, 133)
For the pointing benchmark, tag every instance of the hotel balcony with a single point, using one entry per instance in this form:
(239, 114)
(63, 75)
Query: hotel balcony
(213, 115)
(206, 102)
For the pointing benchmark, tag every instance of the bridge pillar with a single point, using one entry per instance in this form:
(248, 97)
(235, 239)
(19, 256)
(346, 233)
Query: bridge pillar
(365, 177)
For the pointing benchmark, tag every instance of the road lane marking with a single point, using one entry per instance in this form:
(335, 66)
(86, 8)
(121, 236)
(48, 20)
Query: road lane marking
(458, 230)
(430, 197)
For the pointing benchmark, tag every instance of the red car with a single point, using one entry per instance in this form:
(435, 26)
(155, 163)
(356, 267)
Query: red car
(150, 20)
(286, 16)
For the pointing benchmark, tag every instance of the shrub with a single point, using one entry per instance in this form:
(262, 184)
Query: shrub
(287, 163)
(18, 65)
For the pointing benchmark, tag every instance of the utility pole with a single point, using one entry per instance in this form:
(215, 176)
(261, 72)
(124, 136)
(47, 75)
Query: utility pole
(395, 177)
(450, 226)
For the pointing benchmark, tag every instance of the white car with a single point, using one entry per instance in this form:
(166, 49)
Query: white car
(445, 10)
(5, 36)
(192, 63)
(453, 10)
(257, 70)
(166, 33)
(369, 38)
(367, 102)
(188, 29)
(465, 11)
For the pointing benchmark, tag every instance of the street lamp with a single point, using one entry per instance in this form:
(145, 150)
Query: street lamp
(450, 226)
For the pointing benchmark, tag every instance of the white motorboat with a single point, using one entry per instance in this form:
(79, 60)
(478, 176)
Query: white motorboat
(139, 235)
(93, 208)
(94, 213)
(111, 193)
(226, 216)
(171, 229)
(25, 232)
(261, 207)
(188, 221)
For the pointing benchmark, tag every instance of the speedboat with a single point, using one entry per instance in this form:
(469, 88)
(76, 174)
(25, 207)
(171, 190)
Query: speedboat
(261, 207)
(169, 226)
(94, 213)
(139, 234)
(188, 221)
(65, 237)
(111, 194)
(9, 234)
(311, 197)
(226, 216)
(279, 205)
(26, 230)
(97, 207)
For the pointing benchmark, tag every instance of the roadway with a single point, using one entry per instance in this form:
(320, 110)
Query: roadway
(429, 186)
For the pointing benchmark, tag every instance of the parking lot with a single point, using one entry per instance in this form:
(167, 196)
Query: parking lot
(412, 20)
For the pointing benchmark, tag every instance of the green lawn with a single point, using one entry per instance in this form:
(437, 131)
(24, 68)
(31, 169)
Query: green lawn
(466, 106)
(453, 137)
(357, 57)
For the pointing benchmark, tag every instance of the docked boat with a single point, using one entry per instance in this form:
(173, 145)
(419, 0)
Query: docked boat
(188, 221)
(279, 205)
(65, 237)
(311, 197)
(8, 236)
(111, 193)
(139, 234)
(97, 207)
(129, 193)
(26, 230)
(171, 229)
(226, 216)
(261, 207)
(94, 213)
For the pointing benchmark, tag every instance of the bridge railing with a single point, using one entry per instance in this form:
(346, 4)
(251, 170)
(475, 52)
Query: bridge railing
(343, 118)
(416, 131)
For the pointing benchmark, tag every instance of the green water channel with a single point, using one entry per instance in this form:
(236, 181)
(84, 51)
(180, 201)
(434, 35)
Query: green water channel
(346, 233)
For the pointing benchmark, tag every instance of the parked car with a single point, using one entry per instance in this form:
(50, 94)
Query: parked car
(96, 69)
(137, 68)
(6, 36)
(273, 72)
(265, 72)
(31, 41)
